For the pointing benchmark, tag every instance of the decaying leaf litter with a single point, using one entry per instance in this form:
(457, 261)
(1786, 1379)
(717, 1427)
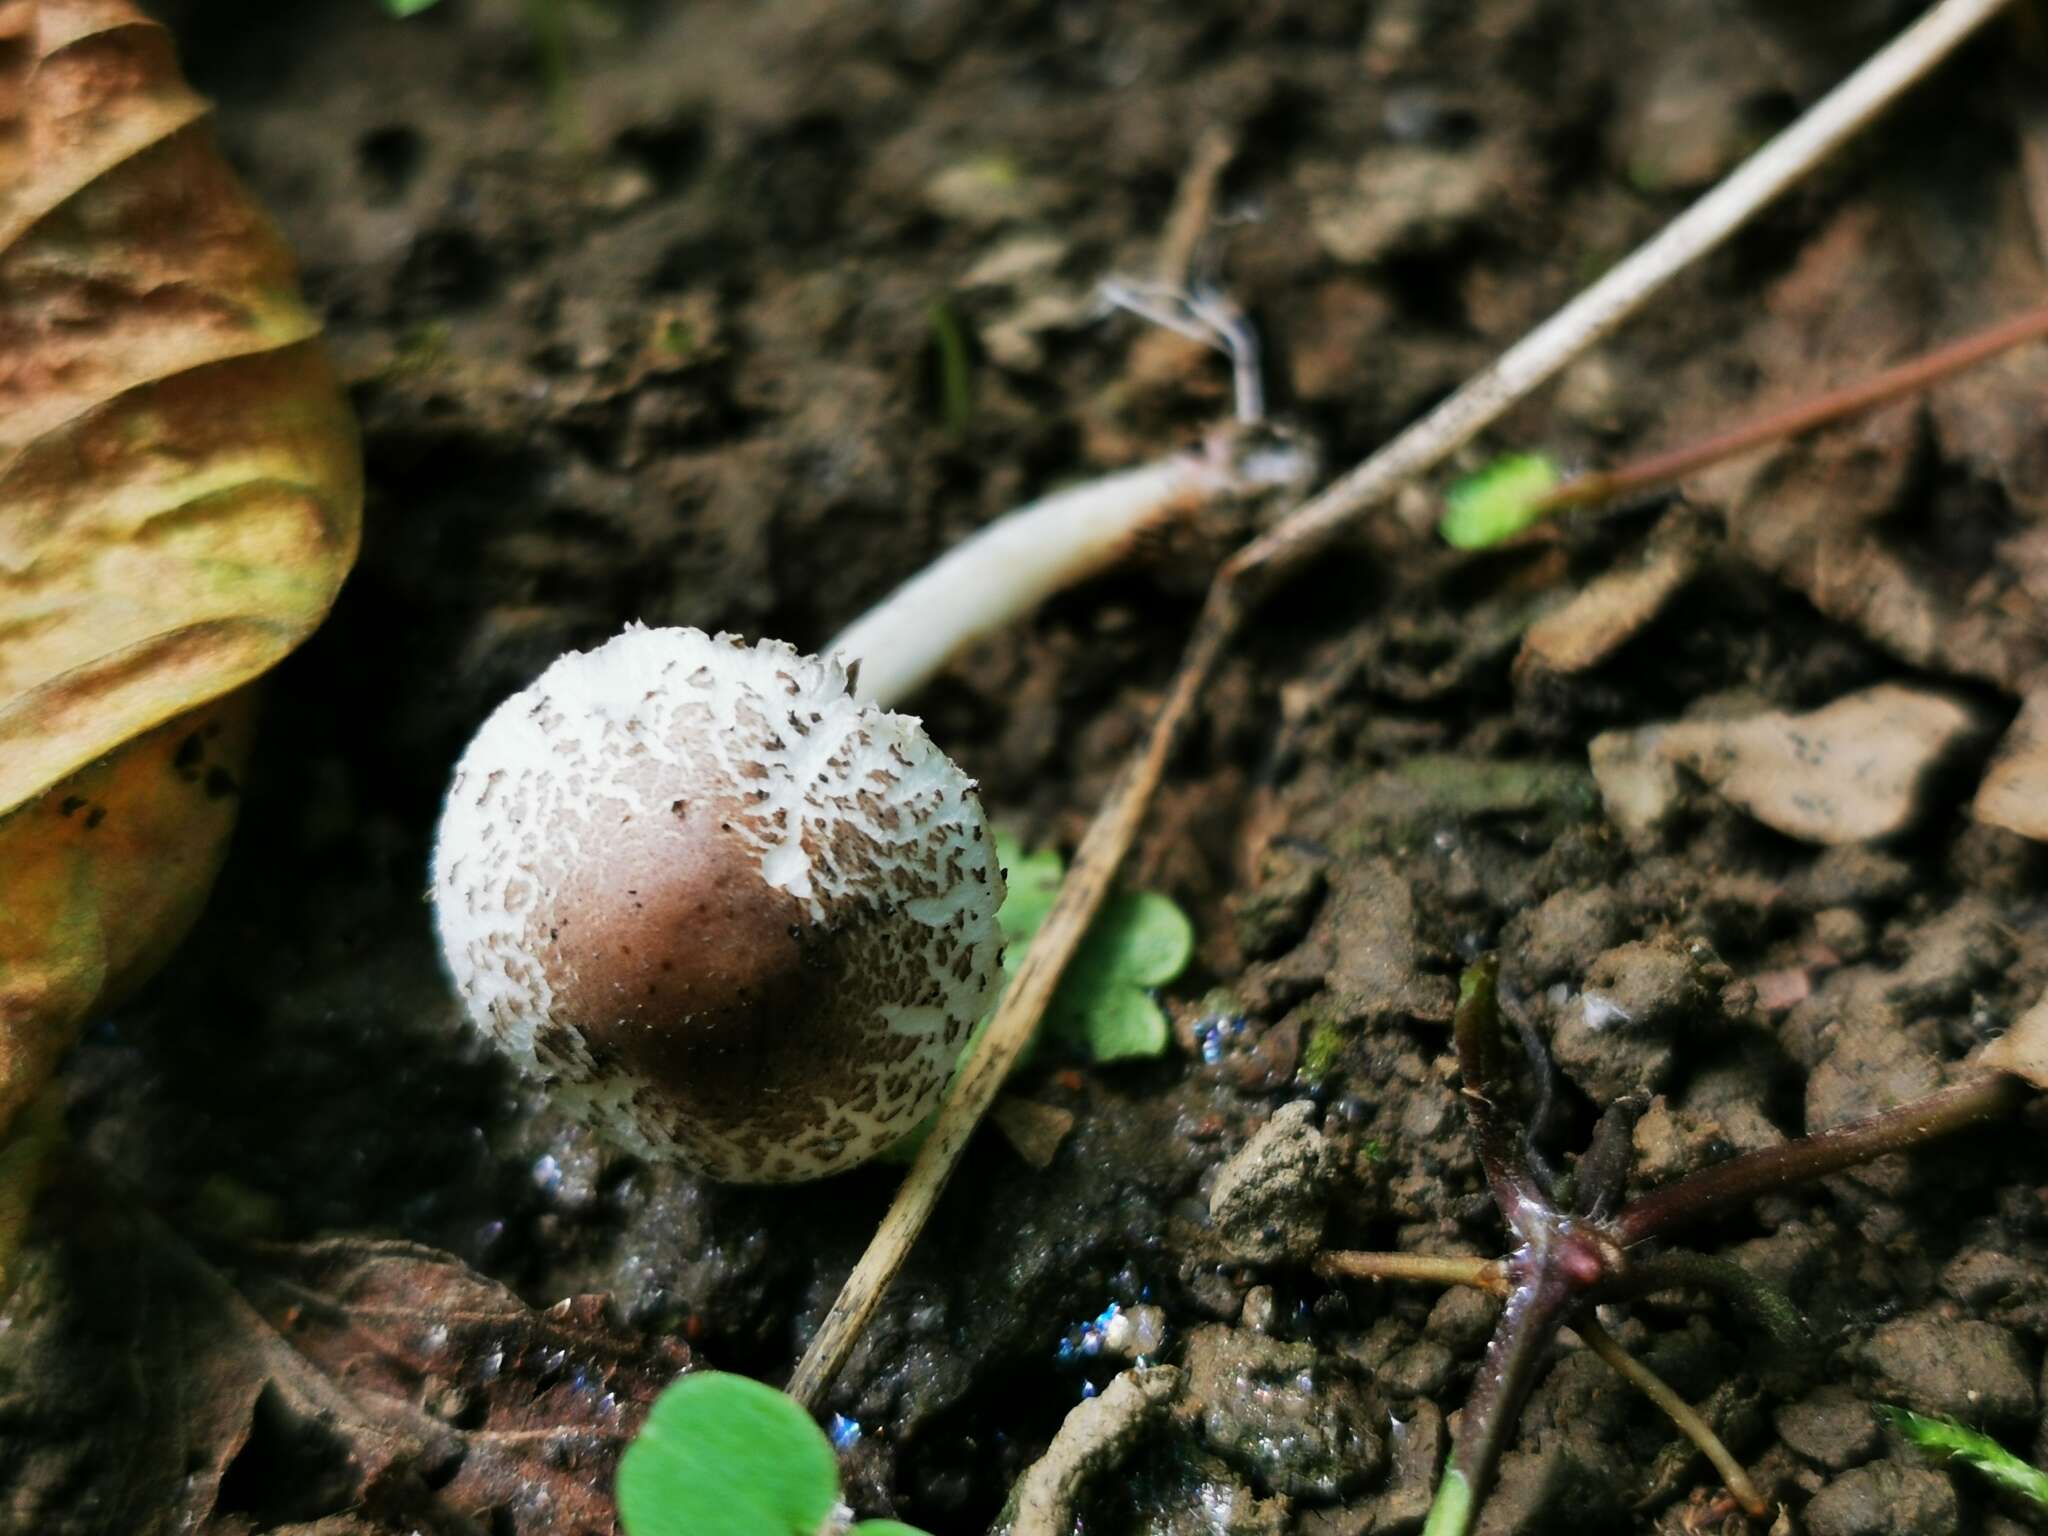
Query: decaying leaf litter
(183, 489)
(1922, 941)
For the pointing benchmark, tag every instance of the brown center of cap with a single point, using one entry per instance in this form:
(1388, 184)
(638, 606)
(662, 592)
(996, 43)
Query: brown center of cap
(682, 965)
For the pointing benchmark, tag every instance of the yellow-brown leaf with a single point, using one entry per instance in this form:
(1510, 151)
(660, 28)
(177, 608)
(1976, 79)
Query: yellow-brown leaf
(180, 498)
(180, 488)
(104, 873)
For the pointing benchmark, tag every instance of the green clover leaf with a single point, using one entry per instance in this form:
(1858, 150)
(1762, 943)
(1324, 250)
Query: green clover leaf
(723, 1453)
(1138, 941)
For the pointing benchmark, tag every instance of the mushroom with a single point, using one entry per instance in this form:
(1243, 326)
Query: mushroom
(731, 912)
(731, 915)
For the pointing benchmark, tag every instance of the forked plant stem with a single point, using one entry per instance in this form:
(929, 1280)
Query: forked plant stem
(1514, 1355)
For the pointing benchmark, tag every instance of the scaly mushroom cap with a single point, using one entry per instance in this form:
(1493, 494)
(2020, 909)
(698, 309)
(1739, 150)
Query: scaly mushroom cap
(731, 915)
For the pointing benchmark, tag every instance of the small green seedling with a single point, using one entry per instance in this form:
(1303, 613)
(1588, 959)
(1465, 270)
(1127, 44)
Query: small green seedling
(1958, 1442)
(1140, 940)
(1104, 1009)
(955, 378)
(1499, 501)
(404, 8)
(727, 1454)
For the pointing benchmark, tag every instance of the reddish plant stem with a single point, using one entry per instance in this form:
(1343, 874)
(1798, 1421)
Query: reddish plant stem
(1481, 1058)
(1744, 1178)
(1514, 1356)
(1818, 411)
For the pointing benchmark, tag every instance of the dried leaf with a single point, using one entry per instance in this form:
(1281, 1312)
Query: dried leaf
(1613, 608)
(142, 1390)
(26, 1159)
(539, 1404)
(1845, 516)
(2014, 794)
(183, 493)
(2023, 1049)
(179, 466)
(104, 873)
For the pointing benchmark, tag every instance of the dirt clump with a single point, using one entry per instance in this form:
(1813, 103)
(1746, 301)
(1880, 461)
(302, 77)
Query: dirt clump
(1281, 1415)
(1955, 1367)
(1886, 1499)
(1269, 1200)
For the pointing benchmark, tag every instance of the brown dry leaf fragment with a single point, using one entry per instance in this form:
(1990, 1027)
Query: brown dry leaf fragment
(541, 1403)
(2014, 794)
(1804, 523)
(378, 1378)
(1613, 608)
(1856, 769)
(2023, 1049)
(133, 1378)
(182, 494)
(1035, 1130)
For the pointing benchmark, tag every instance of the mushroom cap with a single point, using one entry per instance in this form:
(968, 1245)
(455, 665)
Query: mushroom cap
(732, 916)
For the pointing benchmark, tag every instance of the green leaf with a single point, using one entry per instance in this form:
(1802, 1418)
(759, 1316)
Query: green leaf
(1138, 941)
(403, 8)
(1117, 1024)
(1450, 1512)
(956, 367)
(1498, 501)
(723, 1453)
(884, 1528)
(1148, 938)
(1103, 1007)
(1034, 880)
(1945, 1437)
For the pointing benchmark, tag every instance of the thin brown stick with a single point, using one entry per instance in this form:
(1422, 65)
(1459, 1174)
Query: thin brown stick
(1256, 568)
(1677, 1409)
(1429, 1268)
(1803, 416)
(1081, 894)
(1193, 202)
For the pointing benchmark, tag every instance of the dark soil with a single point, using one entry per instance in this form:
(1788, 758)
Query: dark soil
(662, 342)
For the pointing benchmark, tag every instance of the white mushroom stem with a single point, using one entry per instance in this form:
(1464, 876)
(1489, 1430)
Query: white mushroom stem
(1024, 557)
